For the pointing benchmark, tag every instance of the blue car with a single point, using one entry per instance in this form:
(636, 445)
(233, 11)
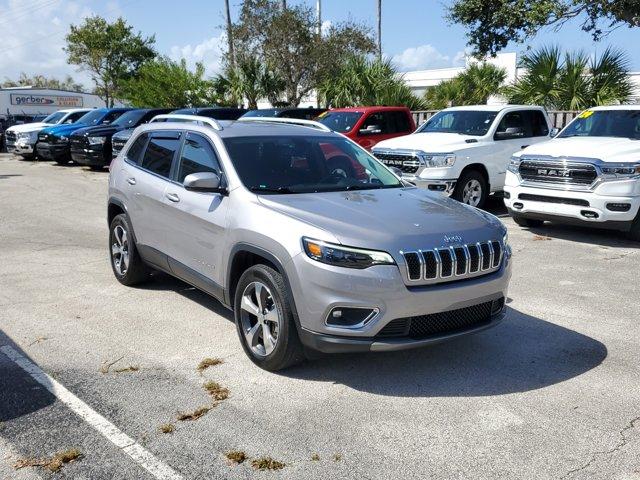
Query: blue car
(53, 142)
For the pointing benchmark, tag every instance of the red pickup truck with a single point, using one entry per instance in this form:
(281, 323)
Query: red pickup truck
(369, 125)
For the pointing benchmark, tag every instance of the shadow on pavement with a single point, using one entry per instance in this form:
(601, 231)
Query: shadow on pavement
(594, 236)
(523, 353)
(20, 394)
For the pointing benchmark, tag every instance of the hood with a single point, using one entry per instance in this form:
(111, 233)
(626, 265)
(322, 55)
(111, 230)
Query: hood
(389, 219)
(65, 130)
(607, 149)
(98, 130)
(432, 142)
(29, 127)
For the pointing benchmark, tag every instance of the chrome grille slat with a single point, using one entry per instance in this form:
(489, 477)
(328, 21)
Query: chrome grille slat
(447, 264)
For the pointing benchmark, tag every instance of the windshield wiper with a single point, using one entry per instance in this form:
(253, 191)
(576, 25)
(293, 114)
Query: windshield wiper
(271, 189)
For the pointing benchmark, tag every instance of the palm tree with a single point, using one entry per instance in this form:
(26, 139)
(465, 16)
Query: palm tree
(573, 81)
(252, 80)
(379, 29)
(473, 86)
(232, 55)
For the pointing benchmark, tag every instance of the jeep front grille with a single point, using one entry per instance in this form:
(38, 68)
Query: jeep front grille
(442, 323)
(405, 162)
(558, 172)
(453, 263)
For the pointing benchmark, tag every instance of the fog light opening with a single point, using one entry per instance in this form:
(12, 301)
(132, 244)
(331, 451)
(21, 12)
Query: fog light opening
(589, 214)
(619, 207)
(350, 317)
(437, 188)
(497, 306)
(518, 205)
(506, 195)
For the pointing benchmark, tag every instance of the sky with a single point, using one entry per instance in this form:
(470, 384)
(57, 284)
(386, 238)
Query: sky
(415, 33)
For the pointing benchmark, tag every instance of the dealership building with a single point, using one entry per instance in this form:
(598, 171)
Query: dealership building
(43, 101)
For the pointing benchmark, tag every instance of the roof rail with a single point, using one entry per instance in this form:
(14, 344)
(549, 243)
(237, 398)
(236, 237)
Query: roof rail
(179, 117)
(290, 121)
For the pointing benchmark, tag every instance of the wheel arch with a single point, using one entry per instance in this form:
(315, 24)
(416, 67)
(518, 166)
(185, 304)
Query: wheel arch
(480, 168)
(116, 207)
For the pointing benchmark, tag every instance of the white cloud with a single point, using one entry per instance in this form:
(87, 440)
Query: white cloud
(425, 57)
(32, 36)
(209, 52)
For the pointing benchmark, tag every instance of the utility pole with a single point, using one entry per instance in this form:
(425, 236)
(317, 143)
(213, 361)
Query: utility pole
(319, 15)
(232, 53)
(379, 29)
(284, 5)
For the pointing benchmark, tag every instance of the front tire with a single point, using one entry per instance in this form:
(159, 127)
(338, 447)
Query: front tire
(527, 222)
(472, 188)
(634, 233)
(264, 319)
(126, 263)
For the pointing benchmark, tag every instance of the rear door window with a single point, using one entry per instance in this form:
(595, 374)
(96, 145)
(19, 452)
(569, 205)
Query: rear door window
(160, 152)
(197, 156)
(398, 122)
(539, 127)
(134, 154)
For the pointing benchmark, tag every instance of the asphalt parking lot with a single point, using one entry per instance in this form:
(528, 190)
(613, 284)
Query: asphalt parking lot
(553, 392)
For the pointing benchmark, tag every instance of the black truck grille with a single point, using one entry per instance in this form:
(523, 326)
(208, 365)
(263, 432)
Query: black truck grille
(407, 163)
(453, 263)
(563, 173)
(547, 199)
(78, 142)
(442, 323)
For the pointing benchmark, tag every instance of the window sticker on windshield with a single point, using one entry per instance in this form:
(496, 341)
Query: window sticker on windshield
(586, 114)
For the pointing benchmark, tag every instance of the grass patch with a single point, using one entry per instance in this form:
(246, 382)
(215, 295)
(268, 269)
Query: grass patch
(267, 463)
(167, 428)
(53, 464)
(217, 391)
(130, 368)
(315, 457)
(208, 362)
(196, 414)
(236, 456)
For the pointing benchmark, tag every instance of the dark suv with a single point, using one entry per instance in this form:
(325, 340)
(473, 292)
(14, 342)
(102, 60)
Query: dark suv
(286, 112)
(91, 146)
(217, 113)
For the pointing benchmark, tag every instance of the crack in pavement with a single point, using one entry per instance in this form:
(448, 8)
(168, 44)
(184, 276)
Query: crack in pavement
(594, 457)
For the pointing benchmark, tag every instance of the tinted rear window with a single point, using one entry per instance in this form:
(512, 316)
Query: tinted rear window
(159, 154)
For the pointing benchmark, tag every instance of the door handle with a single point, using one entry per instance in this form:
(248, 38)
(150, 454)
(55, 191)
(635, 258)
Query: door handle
(131, 181)
(523, 146)
(173, 197)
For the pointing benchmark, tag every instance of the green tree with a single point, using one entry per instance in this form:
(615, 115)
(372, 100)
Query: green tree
(361, 81)
(251, 80)
(572, 81)
(473, 86)
(286, 41)
(165, 83)
(492, 25)
(110, 52)
(40, 81)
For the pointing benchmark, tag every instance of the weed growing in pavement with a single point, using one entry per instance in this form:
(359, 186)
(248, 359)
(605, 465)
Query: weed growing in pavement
(538, 238)
(53, 464)
(315, 457)
(107, 365)
(196, 414)
(337, 457)
(236, 456)
(217, 391)
(267, 463)
(208, 362)
(130, 368)
(167, 428)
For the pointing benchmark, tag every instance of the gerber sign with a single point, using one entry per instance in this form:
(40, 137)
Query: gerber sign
(46, 100)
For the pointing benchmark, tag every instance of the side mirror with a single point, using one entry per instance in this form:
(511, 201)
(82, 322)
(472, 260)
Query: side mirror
(370, 130)
(554, 132)
(509, 133)
(203, 182)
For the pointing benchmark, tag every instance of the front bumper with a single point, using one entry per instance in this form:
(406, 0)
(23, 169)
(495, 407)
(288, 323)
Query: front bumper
(381, 288)
(445, 187)
(20, 148)
(88, 157)
(52, 151)
(598, 212)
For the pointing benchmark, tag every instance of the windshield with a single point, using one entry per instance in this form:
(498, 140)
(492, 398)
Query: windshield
(129, 119)
(464, 122)
(267, 112)
(54, 117)
(605, 123)
(339, 121)
(91, 118)
(293, 164)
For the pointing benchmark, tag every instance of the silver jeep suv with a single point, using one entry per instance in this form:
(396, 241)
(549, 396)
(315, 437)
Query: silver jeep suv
(312, 242)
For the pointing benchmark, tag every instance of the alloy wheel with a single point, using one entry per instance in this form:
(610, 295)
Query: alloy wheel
(260, 318)
(472, 193)
(120, 250)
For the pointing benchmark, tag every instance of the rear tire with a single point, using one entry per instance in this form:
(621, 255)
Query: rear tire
(527, 222)
(62, 161)
(96, 168)
(472, 189)
(264, 319)
(126, 263)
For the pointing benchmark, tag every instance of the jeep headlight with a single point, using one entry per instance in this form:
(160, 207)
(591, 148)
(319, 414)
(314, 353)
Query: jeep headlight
(443, 160)
(342, 256)
(514, 164)
(96, 140)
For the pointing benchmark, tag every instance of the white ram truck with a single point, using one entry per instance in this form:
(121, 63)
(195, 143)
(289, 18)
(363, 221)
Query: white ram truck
(463, 152)
(588, 175)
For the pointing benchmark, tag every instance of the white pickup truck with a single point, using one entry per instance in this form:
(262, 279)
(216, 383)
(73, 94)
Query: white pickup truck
(588, 175)
(464, 151)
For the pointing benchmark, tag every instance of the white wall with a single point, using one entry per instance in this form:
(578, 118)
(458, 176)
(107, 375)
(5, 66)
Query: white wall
(33, 101)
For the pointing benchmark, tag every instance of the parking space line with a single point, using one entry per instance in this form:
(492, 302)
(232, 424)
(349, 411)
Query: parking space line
(137, 452)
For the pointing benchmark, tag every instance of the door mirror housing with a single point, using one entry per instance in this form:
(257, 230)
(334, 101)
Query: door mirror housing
(554, 132)
(370, 130)
(510, 133)
(203, 182)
